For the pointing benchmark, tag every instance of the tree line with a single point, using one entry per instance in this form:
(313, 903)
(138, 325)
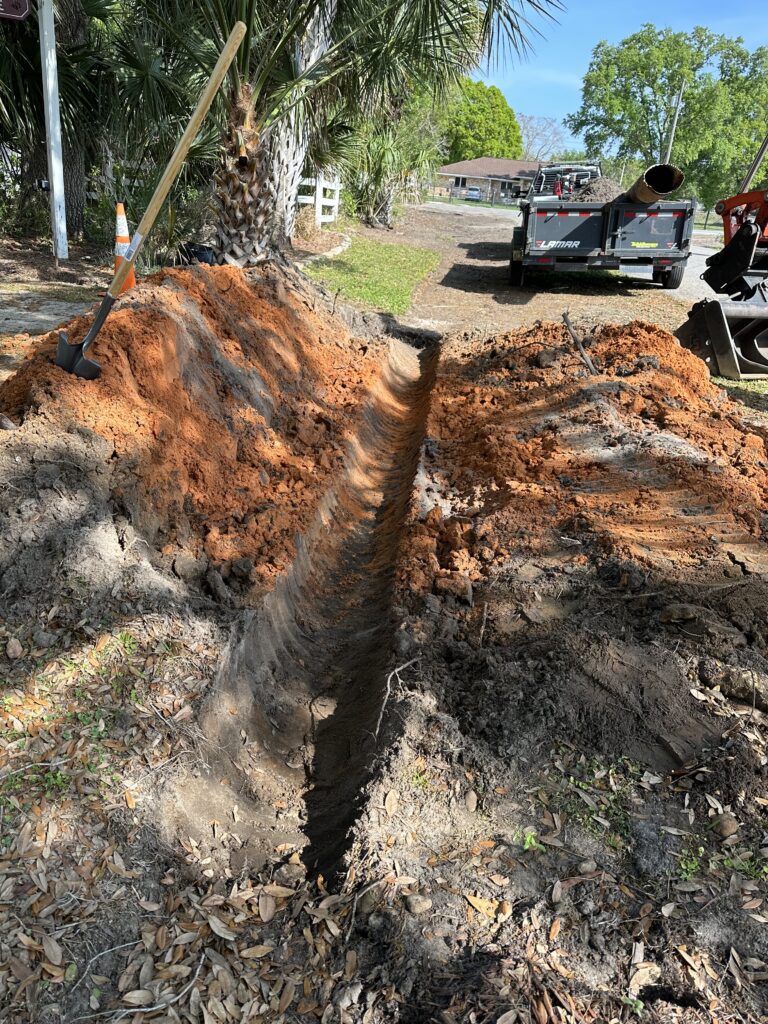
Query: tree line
(629, 95)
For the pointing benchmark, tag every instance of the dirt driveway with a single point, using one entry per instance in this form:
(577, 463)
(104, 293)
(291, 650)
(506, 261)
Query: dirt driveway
(470, 291)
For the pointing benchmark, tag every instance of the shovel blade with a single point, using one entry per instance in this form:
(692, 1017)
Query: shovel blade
(71, 358)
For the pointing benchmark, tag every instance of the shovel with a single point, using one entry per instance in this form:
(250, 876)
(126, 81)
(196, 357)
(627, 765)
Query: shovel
(72, 357)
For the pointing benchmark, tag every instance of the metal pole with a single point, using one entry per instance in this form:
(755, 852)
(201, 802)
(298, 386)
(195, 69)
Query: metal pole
(53, 129)
(679, 103)
(754, 168)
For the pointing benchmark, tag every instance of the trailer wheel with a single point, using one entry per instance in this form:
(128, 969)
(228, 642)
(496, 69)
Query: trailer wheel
(516, 271)
(671, 278)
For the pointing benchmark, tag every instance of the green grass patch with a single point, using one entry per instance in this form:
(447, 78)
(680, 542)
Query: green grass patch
(752, 393)
(758, 387)
(378, 274)
(711, 223)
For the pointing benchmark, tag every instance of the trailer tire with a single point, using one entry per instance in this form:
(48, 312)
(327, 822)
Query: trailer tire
(672, 278)
(516, 272)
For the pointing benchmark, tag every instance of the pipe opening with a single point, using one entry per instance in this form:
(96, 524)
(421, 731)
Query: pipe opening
(657, 183)
(664, 178)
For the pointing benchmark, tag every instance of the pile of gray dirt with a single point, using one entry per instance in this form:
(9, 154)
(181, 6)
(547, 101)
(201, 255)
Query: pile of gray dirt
(599, 190)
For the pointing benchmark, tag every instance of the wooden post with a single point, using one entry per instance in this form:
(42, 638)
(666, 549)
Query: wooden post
(53, 129)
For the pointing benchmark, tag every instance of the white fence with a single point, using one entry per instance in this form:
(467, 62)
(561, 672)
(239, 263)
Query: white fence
(326, 207)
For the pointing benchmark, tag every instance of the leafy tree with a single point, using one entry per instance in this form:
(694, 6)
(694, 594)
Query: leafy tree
(630, 90)
(541, 136)
(625, 170)
(482, 123)
(575, 156)
(718, 171)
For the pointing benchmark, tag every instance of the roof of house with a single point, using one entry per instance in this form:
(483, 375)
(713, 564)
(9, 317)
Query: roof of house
(491, 167)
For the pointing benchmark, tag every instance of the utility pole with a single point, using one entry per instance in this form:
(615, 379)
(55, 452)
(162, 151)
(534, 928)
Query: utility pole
(53, 129)
(755, 166)
(678, 104)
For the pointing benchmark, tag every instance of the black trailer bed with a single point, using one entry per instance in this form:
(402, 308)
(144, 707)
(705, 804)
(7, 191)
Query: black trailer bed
(583, 236)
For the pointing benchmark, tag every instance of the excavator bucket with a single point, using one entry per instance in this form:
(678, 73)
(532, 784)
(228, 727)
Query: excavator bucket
(731, 337)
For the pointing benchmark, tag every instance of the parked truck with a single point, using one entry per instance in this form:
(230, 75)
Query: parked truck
(637, 228)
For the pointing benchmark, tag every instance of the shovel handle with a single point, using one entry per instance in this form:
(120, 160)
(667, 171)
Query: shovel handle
(177, 159)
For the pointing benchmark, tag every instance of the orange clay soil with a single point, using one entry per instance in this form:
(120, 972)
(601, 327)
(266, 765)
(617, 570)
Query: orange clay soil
(228, 402)
(648, 457)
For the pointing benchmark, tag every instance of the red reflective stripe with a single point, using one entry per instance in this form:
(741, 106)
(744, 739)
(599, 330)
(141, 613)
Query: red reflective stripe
(678, 214)
(629, 216)
(563, 214)
(652, 215)
(541, 215)
(584, 213)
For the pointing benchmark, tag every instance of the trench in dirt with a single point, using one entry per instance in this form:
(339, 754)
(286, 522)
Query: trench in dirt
(311, 663)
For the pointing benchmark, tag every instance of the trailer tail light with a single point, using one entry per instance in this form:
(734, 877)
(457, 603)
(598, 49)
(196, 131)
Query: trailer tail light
(664, 262)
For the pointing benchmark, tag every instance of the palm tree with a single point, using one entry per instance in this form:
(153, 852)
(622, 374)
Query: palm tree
(302, 60)
(129, 73)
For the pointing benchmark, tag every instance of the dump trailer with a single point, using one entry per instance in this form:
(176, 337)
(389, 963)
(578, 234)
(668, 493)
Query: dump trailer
(638, 228)
(731, 333)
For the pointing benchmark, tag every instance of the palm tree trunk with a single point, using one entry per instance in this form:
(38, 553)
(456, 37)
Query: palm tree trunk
(75, 194)
(256, 202)
(386, 206)
(245, 195)
(290, 142)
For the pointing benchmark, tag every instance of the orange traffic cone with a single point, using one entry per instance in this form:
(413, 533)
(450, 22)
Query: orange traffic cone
(122, 241)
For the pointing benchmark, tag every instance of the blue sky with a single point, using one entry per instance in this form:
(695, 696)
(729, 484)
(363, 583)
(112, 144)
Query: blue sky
(548, 82)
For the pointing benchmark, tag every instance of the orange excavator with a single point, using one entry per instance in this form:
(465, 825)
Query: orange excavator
(731, 333)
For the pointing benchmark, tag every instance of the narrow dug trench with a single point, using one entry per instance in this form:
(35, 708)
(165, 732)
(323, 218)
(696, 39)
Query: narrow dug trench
(301, 690)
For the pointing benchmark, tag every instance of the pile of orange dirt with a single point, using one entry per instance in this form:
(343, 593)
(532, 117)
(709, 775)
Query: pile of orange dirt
(227, 398)
(648, 457)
